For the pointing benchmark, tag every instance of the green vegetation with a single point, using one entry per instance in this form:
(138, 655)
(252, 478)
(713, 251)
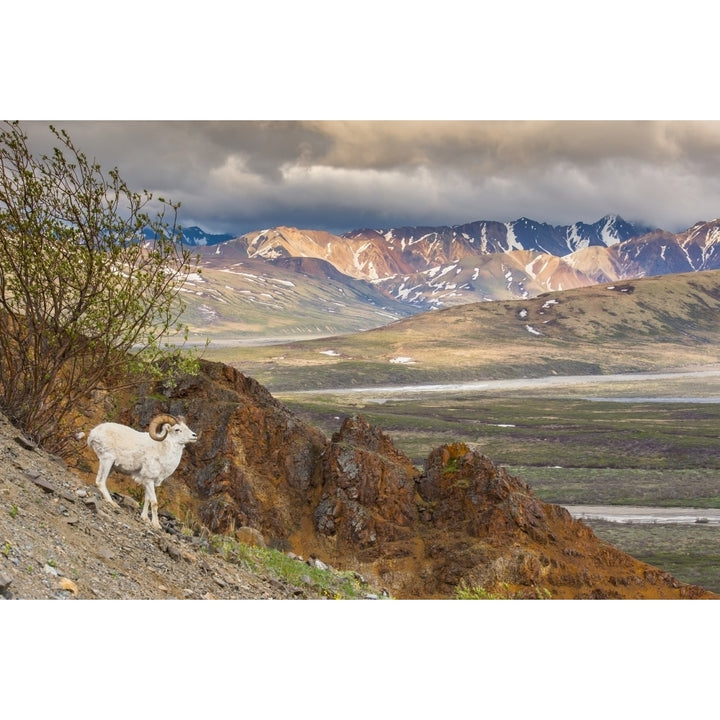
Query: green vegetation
(681, 487)
(464, 591)
(314, 581)
(690, 553)
(451, 466)
(89, 283)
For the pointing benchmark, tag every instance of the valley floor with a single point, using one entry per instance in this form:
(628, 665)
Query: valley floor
(377, 394)
(646, 515)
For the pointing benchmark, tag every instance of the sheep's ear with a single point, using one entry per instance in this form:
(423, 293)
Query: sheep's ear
(182, 419)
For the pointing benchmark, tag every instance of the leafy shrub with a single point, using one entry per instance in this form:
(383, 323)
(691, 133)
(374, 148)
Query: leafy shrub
(89, 283)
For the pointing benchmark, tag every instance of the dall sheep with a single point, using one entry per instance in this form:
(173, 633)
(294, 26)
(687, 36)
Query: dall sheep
(148, 457)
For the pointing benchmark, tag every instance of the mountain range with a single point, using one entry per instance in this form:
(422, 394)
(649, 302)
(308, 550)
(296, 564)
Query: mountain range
(368, 277)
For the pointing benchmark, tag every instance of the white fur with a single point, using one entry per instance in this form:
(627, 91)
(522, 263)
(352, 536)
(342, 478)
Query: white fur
(147, 461)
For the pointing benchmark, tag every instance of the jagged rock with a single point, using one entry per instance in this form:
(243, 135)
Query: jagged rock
(250, 536)
(47, 487)
(170, 549)
(25, 442)
(67, 584)
(255, 462)
(128, 502)
(319, 564)
(368, 490)
(42, 484)
(92, 503)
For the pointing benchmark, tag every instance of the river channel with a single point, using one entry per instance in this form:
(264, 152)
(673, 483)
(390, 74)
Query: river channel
(645, 515)
(552, 381)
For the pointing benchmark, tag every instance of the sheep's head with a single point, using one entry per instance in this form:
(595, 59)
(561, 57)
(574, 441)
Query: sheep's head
(162, 426)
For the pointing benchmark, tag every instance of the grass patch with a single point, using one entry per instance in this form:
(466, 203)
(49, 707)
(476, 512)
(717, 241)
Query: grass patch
(683, 487)
(688, 552)
(309, 580)
(533, 431)
(464, 591)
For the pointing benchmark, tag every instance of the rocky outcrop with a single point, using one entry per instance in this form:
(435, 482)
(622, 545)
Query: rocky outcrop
(255, 463)
(368, 492)
(356, 501)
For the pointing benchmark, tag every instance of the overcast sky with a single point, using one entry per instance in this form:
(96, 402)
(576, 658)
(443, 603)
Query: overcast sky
(333, 175)
(581, 92)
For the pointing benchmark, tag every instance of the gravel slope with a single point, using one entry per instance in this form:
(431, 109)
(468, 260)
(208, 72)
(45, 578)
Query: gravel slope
(58, 539)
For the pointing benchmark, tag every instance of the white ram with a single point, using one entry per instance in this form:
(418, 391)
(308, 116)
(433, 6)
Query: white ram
(148, 457)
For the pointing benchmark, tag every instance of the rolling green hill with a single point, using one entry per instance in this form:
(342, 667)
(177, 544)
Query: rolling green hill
(642, 325)
(253, 301)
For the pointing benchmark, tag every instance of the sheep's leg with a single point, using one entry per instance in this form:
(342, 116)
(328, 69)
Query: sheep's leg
(151, 501)
(102, 475)
(146, 505)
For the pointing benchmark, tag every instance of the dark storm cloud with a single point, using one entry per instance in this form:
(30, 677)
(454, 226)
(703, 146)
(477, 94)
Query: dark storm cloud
(240, 176)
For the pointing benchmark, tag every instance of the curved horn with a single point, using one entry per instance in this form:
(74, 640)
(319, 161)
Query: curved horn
(157, 422)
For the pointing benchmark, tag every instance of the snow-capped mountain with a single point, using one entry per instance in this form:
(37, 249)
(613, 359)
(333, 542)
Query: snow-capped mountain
(377, 255)
(487, 236)
(196, 236)
(431, 267)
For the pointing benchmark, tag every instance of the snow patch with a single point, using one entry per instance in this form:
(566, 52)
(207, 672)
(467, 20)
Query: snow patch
(532, 330)
(575, 241)
(207, 313)
(402, 360)
(512, 241)
(609, 234)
